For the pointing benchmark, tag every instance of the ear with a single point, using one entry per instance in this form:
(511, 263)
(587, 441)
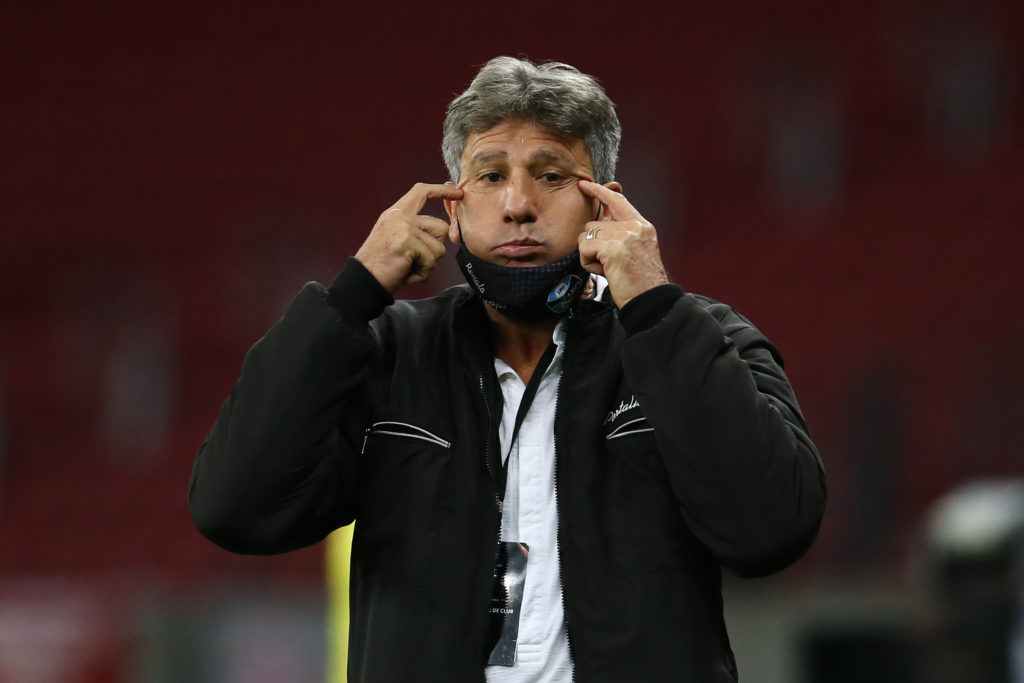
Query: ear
(450, 206)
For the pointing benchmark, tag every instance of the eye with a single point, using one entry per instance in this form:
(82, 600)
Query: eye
(491, 177)
(551, 177)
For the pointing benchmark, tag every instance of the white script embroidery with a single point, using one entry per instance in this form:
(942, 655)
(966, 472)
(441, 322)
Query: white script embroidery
(623, 407)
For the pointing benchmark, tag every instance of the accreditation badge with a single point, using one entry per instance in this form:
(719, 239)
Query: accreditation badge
(507, 601)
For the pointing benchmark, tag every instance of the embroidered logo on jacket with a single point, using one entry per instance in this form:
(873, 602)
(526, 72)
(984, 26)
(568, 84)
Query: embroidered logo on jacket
(623, 407)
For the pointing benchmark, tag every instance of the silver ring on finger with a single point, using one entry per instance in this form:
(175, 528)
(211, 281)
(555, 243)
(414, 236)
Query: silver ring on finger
(592, 233)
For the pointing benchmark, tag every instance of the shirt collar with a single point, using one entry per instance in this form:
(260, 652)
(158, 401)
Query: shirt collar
(504, 370)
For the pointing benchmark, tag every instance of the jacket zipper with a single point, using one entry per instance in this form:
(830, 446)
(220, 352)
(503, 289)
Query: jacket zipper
(487, 454)
(558, 513)
(487, 460)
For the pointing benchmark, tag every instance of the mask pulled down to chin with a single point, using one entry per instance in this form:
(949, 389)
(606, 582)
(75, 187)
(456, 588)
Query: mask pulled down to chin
(528, 293)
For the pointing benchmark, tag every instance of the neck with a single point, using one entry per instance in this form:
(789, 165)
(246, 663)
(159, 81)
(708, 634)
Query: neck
(520, 344)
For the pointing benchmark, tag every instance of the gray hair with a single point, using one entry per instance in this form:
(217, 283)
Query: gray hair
(555, 96)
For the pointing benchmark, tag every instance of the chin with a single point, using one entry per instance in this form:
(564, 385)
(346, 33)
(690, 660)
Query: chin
(524, 263)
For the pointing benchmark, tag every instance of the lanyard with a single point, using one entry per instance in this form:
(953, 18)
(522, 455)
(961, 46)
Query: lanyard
(524, 407)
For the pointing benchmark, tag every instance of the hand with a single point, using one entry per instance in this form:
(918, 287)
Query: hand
(623, 246)
(403, 247)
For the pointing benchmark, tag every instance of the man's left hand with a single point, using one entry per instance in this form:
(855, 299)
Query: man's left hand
(622, 246)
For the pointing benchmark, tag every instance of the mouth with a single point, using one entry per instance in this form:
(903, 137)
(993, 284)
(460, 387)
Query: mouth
(520, 251)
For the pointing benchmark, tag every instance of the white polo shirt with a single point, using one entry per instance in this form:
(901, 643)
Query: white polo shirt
(530, 515)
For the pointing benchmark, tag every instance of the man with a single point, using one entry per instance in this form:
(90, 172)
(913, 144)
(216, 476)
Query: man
(549, 466)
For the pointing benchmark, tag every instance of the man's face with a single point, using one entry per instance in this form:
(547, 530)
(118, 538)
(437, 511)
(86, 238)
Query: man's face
(521, 205)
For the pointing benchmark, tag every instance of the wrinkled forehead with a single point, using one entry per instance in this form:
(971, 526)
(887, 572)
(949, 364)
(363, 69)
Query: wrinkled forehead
(518, 141)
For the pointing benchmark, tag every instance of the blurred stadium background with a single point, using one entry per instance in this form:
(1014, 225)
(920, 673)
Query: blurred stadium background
(846, 174)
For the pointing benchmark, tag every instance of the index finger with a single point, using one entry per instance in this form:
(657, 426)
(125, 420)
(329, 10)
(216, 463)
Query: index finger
(417, 196)
(618, 206)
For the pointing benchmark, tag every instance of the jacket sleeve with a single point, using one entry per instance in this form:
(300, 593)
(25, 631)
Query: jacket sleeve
(278, 470)
(746, 475)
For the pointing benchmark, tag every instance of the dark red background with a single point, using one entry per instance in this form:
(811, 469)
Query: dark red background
(180, 170)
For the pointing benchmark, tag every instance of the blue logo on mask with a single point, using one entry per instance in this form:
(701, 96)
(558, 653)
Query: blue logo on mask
(560, 298)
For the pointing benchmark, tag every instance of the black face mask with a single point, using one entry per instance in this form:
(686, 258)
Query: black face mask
(529, 293)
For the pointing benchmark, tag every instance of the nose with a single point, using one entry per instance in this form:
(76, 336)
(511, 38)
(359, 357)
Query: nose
(520, 200)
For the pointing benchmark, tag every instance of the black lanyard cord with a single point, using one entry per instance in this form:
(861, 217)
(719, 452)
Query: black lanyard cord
(524, 407)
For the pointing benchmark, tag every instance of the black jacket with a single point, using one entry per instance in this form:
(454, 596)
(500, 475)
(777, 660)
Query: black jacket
(679, 448)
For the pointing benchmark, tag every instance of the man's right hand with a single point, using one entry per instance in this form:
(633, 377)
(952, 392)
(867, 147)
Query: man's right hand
(404, 246)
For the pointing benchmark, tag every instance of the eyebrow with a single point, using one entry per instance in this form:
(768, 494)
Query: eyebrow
(487, 156)
(545, 154)
(541, 155)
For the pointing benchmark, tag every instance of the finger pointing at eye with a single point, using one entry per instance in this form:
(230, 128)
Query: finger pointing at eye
(617, 207)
